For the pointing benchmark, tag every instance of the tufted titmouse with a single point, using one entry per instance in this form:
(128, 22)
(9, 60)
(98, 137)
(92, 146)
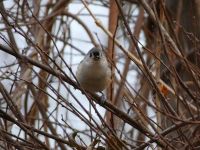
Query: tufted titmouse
(93, 72)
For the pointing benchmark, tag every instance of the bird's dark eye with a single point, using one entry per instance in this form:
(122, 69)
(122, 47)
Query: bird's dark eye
(90, 54)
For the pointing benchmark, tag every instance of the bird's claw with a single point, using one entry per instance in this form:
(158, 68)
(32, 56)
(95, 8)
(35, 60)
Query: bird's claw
(102, 99)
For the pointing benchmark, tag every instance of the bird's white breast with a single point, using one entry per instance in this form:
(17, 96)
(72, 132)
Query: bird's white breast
(94, 76)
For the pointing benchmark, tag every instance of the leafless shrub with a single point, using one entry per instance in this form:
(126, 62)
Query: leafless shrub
(153, 50)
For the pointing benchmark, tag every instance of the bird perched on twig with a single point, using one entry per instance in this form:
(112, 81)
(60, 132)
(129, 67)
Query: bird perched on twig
(93, 72)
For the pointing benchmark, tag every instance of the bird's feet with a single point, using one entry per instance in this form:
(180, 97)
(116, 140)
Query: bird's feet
(102, 99)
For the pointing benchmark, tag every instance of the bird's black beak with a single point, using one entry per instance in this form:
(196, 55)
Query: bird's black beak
(96, 55)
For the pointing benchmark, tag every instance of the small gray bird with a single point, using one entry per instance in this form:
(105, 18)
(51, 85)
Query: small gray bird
(93, 72)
